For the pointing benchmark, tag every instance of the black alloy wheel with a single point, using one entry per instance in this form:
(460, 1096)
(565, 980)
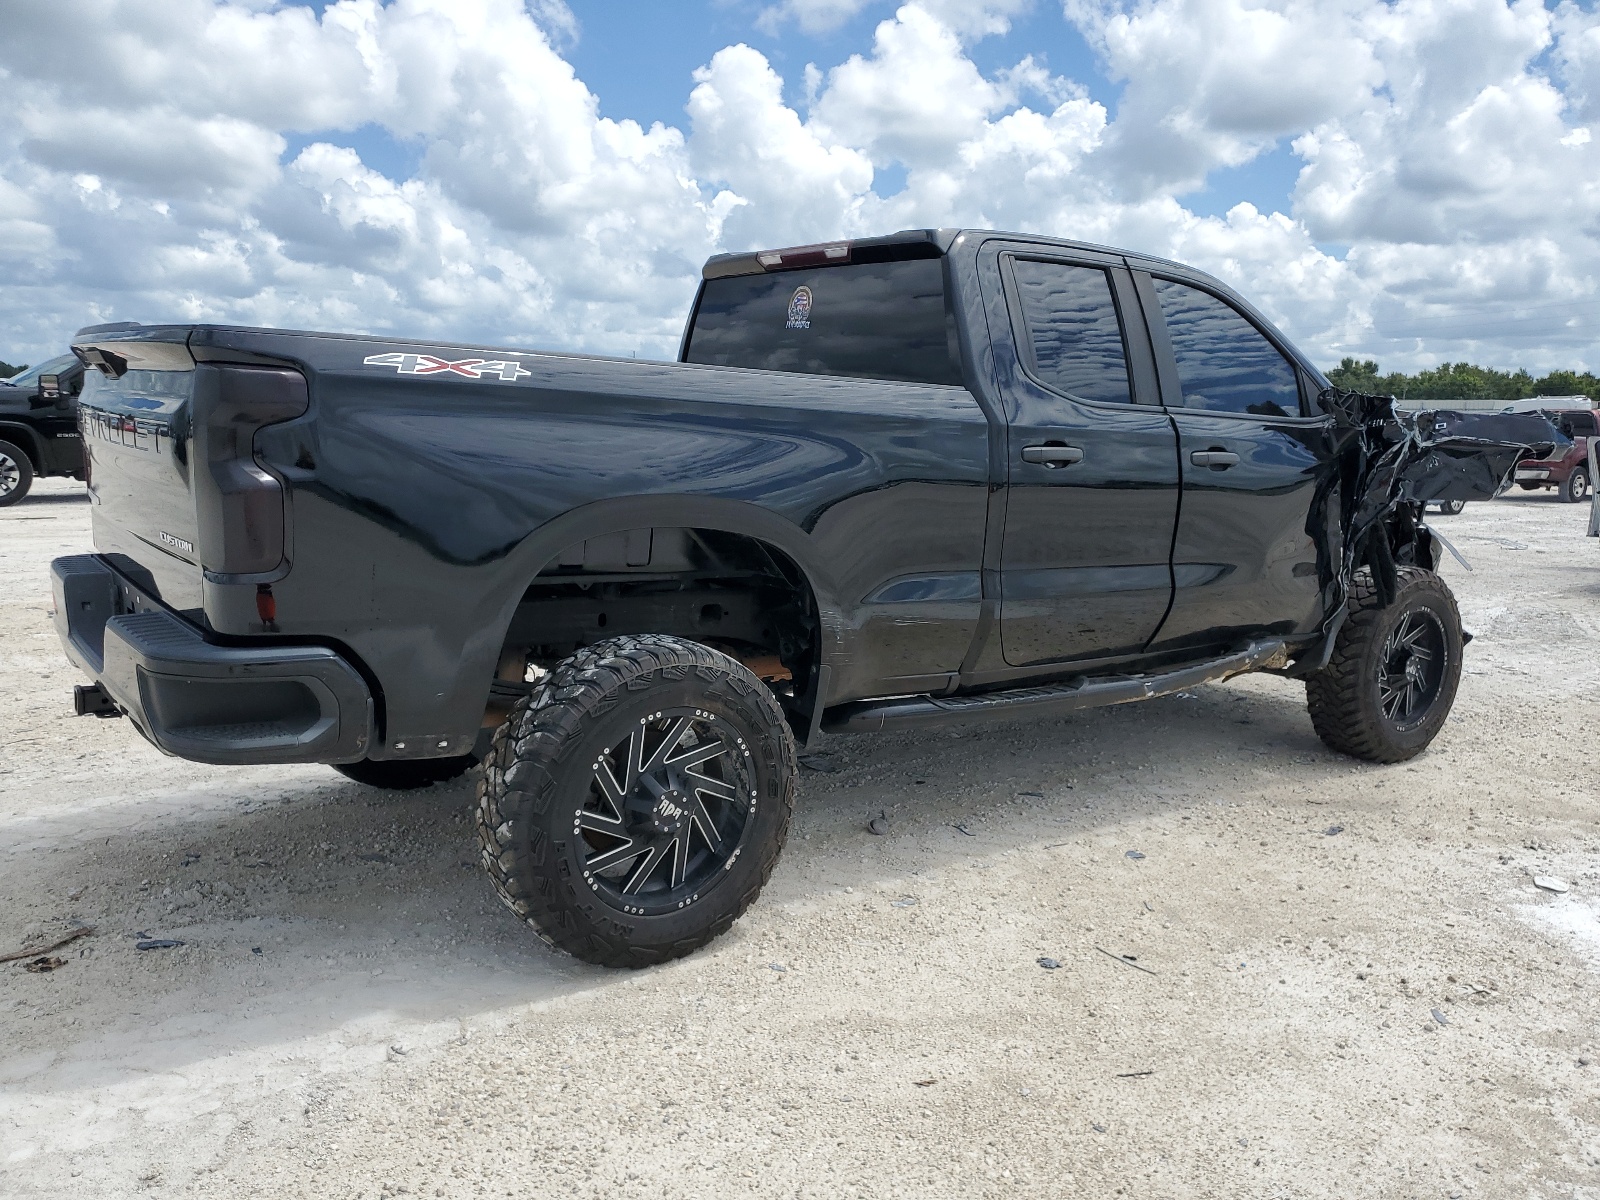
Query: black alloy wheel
(665, 812)
(635, 804)
(16, 474)
(1411, 668)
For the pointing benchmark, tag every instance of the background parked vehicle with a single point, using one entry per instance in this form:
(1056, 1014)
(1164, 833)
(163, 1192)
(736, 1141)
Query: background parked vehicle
(1566, 469)
(39, 426)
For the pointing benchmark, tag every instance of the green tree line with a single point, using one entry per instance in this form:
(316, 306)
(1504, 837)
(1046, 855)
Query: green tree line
(1462, 381)
(7, 370)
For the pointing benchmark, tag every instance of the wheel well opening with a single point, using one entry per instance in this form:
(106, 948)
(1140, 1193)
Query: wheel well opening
(23, 439)
(733, 592)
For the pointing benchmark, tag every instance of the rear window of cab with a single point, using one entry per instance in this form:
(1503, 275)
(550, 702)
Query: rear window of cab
(874, 320)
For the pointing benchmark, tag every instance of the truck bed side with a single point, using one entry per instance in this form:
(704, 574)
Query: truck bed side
(419, 507)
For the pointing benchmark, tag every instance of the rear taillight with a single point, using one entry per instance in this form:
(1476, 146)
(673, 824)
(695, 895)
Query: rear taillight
(238, 506)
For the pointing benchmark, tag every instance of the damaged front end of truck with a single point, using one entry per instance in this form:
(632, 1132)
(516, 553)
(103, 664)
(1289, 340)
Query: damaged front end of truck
(1388, 465)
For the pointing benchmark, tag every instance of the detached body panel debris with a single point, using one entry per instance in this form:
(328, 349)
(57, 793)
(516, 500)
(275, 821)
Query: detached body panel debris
(1567, 469)
(938, 477)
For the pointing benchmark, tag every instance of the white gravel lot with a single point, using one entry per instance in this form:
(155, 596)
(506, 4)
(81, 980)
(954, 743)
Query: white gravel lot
(1391, 1010)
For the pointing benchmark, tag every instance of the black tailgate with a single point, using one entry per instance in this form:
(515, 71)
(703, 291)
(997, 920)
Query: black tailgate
(136, 416)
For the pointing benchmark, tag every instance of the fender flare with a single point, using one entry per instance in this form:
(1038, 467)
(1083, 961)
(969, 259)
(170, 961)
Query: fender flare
(541, 547)
(22, 435)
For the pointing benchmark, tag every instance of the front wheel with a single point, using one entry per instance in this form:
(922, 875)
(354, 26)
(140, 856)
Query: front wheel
(1389, 685)
(635, 804)
(16, 474)
(1576, 487)
(1451, 507)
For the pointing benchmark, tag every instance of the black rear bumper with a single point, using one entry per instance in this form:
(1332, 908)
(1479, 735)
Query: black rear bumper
(262, 703)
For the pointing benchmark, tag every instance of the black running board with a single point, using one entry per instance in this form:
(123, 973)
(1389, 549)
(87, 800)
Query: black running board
(921, 712)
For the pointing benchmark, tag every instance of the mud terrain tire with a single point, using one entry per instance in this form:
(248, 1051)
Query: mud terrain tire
(635, 804)
(1388, 688)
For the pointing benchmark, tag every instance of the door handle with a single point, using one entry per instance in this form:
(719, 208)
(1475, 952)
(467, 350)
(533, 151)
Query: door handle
(1052, 456)
(1220, 459)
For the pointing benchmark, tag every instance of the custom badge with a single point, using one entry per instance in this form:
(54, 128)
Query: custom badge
(506, 370)
(800, 309)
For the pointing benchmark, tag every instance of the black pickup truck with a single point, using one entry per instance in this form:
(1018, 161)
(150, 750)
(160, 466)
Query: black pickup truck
(932, 477)
(39, 426)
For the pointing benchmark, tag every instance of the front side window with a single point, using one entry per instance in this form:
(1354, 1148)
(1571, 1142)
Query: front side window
(883, 320)
(1074, 342)
(1225, 364)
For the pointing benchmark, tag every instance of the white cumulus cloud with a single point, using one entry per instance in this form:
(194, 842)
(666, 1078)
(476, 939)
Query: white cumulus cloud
(970, 18)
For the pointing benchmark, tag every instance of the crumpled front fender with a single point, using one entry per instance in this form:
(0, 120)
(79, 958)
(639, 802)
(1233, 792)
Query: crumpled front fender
(1388, 465)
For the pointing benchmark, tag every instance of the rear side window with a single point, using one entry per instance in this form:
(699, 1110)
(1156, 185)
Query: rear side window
(1074, 340)
(1225, 364)
(866, 320)
(1578, 424)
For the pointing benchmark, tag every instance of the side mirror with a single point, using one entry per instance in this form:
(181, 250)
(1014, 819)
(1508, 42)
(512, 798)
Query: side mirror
(50, 387)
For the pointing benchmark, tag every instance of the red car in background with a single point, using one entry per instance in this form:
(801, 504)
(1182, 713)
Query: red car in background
(1565, 470)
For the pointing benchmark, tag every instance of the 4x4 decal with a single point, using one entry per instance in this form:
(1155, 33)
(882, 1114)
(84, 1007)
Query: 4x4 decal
(507, 370)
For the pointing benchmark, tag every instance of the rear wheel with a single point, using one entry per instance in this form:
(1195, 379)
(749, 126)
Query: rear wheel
(635, 804)
(1388, 688)
(406, 774)
(16, 474)
(1576, 487)
(1451, 507)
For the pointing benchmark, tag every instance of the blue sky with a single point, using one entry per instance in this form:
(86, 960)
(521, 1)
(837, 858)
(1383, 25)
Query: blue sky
(639, 58)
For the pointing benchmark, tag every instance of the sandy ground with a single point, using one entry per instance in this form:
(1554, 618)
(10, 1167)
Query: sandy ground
(1389, 1010)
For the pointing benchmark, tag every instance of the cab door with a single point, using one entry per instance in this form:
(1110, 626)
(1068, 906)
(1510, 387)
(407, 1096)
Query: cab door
(1092, 463)
(1244, 560)
(56, 419)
